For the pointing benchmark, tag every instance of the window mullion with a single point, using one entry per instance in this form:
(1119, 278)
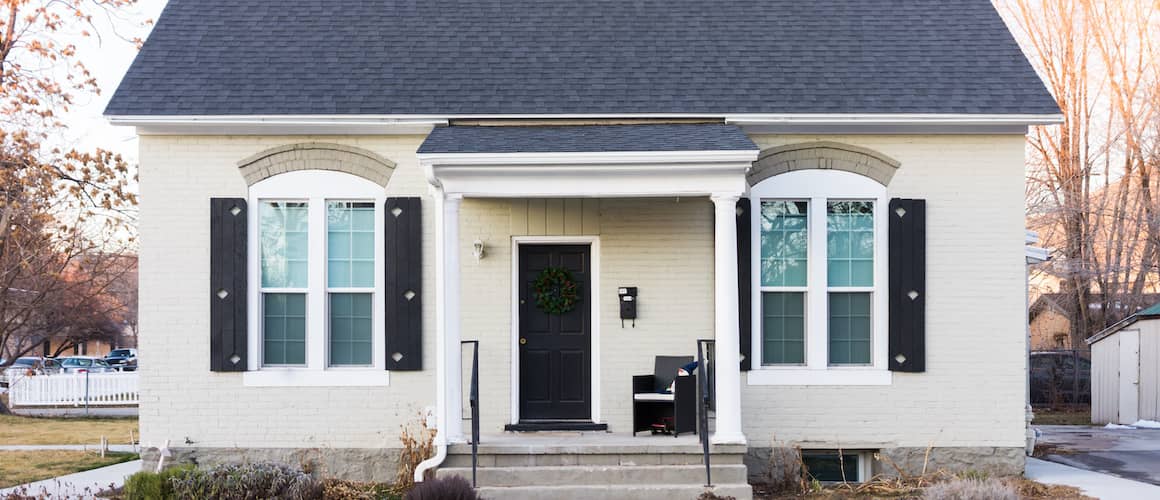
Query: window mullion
(816, 301)
(316, 298)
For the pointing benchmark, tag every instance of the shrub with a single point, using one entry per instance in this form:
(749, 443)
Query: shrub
(971, 489)
(246, 482)
(451, 488)
(148, 485)
(710, 495)
(418, 442)
(341, 489)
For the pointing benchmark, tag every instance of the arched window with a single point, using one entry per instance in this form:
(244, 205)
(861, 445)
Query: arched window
(820, 277)
(315, 262)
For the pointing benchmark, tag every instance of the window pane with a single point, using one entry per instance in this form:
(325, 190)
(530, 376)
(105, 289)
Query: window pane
(284, 244)
(850, 243)
(350, 329)
(350, 244)
(829, 467)
(850, 328)
(784, 239)
(783, 328)
(284, 328)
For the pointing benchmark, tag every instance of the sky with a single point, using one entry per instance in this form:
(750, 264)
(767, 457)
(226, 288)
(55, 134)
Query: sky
(108, 58)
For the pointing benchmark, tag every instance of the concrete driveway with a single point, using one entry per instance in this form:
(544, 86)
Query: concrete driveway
(1127, 453)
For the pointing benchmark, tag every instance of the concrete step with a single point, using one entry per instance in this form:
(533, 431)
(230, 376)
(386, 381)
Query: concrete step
(588, 475)
(458, 459)
(564, 445)
(614, 492)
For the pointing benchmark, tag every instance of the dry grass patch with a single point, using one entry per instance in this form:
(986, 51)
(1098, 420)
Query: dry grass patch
(1026, 489)
(36, 430)
(19, 467)
(936, 484)
(1065, 416)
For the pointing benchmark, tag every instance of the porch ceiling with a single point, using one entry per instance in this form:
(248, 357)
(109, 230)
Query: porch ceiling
(588, 160)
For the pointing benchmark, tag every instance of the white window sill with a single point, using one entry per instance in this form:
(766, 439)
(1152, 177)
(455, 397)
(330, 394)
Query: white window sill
(316, 378)
(833, 376)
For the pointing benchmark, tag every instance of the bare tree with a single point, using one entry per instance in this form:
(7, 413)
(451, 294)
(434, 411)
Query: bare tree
(65, 214)
(1092, 179)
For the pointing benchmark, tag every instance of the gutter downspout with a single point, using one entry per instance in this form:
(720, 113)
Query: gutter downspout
(1032, 255)
(440, 340)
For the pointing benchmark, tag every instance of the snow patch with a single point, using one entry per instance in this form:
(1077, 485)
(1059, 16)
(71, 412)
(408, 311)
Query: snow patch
(1147, 424)
(1118, 426)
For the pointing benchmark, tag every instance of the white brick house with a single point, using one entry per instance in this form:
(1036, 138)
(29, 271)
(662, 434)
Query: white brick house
(316, 245)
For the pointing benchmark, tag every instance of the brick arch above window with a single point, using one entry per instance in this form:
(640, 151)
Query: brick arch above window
(317, 156)
(823, 155)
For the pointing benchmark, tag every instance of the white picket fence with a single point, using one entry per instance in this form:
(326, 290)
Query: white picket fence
(104, 389)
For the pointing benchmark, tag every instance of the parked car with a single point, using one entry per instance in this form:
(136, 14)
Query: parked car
(29, 366)
(122, 359)
(1055, 378)
(82, 364)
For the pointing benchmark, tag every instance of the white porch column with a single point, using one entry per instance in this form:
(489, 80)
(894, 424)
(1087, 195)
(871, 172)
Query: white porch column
(727, 363)
(447, 307)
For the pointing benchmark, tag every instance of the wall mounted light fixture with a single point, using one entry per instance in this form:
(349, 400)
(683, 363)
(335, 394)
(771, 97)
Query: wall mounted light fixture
(477, 249)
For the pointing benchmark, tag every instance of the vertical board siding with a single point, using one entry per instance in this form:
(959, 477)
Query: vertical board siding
(1106, 380)
(573, 217)
(555, 217)
(227, 292)
(1150, 369)
(745, 281)
(403, 288)
(907, 277)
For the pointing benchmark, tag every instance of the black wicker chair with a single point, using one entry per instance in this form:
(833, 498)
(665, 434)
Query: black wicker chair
(653, 404)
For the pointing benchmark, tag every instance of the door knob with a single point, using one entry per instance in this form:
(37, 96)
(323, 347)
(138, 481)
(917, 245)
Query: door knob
(523, 341)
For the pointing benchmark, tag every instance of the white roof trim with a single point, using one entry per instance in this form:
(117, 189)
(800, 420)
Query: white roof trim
(272, 125)
(326, 124)
(1034, 254)
(589, 158)
(893, 119)
(589, 175)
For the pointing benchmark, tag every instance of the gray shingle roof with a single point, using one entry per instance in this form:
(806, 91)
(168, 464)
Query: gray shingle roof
(586, 139)
(457, 57)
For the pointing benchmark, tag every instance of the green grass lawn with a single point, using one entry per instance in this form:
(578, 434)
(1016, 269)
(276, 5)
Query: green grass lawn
(19, 467)
(38, 430)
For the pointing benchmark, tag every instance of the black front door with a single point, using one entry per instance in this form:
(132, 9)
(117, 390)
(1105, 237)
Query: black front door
(555, 349)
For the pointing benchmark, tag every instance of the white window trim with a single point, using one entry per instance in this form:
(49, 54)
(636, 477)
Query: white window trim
(820, 186)
(315, 187)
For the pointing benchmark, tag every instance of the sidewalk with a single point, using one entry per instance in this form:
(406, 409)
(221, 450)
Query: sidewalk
(80, 485)
(1102, 486)
(102, 412)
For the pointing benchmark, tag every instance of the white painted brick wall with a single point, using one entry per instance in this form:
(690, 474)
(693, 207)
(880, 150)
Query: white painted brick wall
(181, 398)
(973, 390)
(971, 395)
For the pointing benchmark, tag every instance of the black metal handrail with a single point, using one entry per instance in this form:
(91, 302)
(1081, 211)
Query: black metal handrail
(473, 401)
(706, 399)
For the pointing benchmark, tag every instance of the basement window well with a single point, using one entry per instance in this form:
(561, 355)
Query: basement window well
(832, 466)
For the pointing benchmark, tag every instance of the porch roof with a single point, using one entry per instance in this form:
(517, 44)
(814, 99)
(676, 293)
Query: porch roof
(691, 159)
(588, 138)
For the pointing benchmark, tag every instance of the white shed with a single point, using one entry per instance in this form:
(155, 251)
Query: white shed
(1126, 370)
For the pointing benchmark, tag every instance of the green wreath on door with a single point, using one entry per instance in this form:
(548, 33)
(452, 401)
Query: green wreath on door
(555, 290)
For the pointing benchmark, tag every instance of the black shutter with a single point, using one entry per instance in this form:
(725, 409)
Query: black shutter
(404, 280)
(907, 285)
(744, 282)
(227, 264)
